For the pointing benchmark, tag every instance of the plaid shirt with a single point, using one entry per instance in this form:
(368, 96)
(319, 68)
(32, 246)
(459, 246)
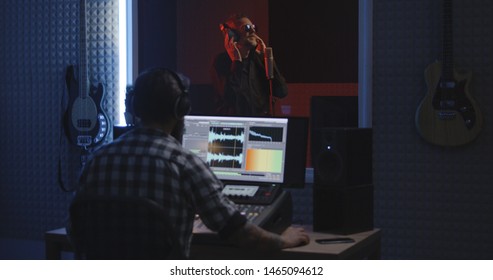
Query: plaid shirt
(148, 162)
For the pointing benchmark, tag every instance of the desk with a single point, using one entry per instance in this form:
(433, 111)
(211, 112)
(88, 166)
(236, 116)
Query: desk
(366, 246)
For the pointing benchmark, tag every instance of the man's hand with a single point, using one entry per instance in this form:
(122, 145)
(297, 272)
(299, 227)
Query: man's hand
(293, 237)
(255, 238)
(260, 44)
(232, 49)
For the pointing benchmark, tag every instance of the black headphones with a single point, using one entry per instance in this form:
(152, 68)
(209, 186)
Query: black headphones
(152, 98)
(182, 105)
(230, 31)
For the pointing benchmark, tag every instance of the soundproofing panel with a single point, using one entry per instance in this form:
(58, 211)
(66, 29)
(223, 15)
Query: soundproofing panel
(431, 202)
(38, 40)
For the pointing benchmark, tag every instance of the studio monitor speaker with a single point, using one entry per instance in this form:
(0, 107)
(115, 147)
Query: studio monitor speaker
(343, 210)
(341, 156)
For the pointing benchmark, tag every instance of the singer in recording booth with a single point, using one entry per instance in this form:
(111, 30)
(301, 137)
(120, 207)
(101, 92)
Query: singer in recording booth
(246, 79)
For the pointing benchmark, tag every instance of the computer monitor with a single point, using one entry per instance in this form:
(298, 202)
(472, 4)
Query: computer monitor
(250, 150)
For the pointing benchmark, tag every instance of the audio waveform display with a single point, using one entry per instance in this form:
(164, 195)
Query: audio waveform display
(264, 160)
(225, 148)
(265, 134)
(255, 134)
(220, 158)
(218, 134)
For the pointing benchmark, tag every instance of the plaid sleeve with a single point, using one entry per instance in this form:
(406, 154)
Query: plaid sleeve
(216, 211)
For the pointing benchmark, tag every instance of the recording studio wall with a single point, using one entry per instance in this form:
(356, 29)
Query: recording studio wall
(38, 40)
(431, 202)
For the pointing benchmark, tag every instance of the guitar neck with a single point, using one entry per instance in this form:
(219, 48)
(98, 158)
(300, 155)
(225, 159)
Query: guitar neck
(83, 76)
(447, 41)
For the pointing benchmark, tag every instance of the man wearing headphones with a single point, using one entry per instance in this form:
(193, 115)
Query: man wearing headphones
(150, 161)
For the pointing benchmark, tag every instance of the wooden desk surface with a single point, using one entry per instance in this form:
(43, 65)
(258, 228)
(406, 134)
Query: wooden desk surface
(366, 246)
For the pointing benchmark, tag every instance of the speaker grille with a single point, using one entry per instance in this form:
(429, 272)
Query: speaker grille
(342, 156)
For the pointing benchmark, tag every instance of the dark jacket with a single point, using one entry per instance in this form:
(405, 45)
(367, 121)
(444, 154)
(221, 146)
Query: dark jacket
(242, 89)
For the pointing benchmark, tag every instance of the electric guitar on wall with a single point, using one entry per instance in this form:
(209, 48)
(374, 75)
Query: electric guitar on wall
(85, 121)
(448, 115)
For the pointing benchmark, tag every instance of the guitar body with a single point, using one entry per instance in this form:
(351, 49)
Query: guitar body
(85, 122)
(448, 115)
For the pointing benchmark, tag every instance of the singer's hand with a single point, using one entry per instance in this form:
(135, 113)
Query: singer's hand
(232, 49)
(260, 44)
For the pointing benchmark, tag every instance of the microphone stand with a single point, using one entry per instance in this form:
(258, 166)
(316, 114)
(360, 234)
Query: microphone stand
(269, 71)
(271, 99)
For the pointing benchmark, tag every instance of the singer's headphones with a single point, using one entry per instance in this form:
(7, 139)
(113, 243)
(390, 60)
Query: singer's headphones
(232, 33)
(154, 95)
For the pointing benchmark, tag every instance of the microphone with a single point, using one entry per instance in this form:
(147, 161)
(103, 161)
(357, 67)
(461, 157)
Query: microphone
(269, 63)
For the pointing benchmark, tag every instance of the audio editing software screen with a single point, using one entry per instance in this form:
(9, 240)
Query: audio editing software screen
(245, 149)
